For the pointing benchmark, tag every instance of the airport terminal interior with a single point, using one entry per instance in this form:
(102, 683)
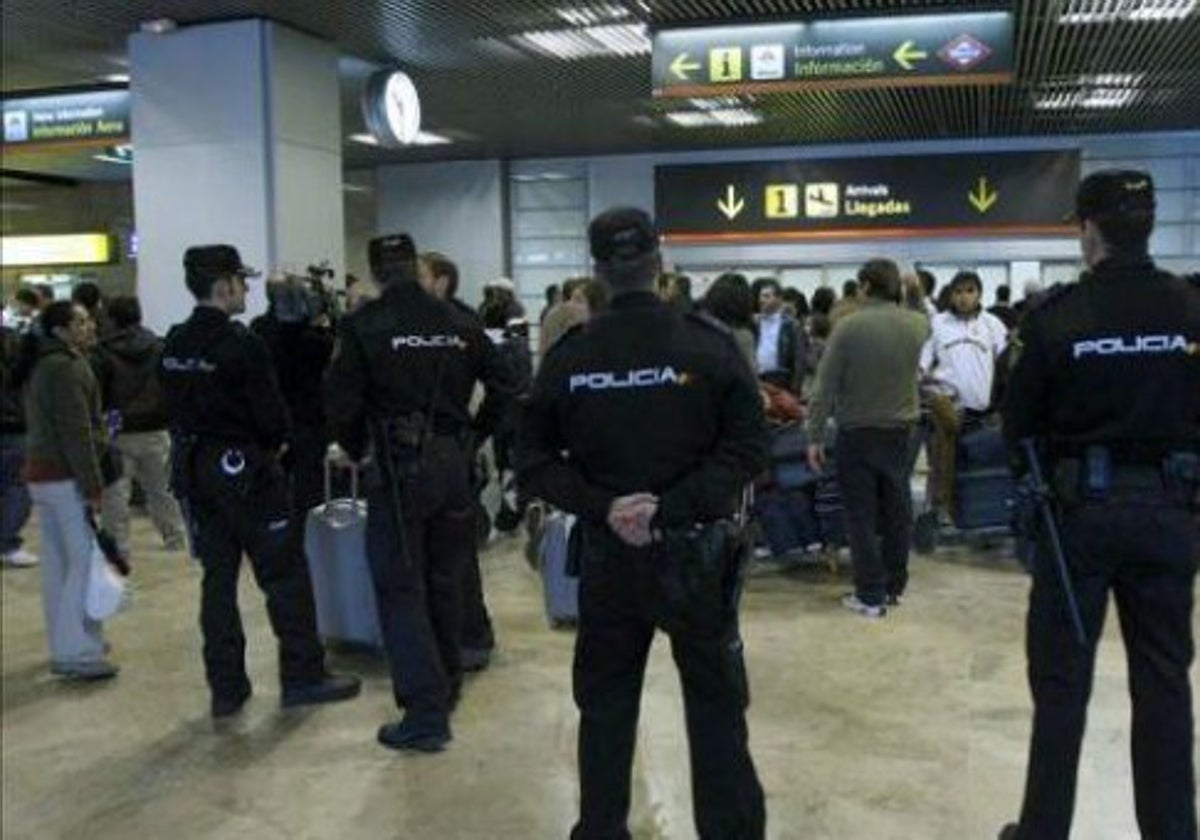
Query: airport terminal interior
(788, 141)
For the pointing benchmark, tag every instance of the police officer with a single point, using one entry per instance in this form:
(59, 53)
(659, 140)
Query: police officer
(401, 382)
(1107, 378)
(646, 423)
(229, 426)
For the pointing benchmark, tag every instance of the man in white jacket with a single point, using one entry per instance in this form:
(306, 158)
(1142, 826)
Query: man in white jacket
(960, 358)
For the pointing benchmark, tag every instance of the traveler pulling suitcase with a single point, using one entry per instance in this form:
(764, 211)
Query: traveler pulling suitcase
(335, 544)
(560, 589)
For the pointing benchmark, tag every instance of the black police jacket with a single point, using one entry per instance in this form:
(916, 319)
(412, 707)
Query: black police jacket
(218, 382)
(300, 353)
(394, 352)
(643, 399)
(1113, 359)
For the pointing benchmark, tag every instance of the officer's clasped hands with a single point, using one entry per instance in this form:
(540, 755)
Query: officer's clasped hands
(630, 516)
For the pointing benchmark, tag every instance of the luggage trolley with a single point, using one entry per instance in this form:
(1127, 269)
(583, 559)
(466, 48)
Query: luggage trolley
(984, 487)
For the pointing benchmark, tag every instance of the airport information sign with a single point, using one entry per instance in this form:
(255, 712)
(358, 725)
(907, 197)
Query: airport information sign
(900, 51)
(83, 117)
(931, 195)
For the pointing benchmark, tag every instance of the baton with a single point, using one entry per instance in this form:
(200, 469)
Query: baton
(1041, 494)
(387, 469)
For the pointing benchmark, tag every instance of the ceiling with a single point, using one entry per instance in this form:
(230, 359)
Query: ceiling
(497, 96)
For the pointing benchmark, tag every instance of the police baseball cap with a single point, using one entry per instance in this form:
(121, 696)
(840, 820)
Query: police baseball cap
(215, 261)
(1112, 193)
(389, 252)
(623, 234)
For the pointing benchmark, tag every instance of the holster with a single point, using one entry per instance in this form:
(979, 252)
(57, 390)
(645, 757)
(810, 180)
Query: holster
(700, 574)
(405, 444)
(183, 467)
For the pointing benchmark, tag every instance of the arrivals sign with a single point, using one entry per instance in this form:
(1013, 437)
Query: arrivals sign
(931, 195)
(97, 115)
(943, 49)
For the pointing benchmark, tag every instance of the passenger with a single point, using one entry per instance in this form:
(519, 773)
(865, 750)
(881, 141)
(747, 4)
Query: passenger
(571, 311)
(868, 382)
(298, 333)
(229, 428)
(782, 344)
(959, 361)
(18, 349)
(850, 301)
(66, 439)
(88, 295)
(553, 298)
(1003, 309)
(401, 383)
(823, 300)
(500, 301)
(1121, 436)
(640, 491)
(730, 301)
(797, 303)
(928, 289)
(679, 292)
(126, 363)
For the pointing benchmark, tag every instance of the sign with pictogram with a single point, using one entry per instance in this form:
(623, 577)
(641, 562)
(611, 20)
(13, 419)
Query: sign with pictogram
(1026, 193)
(967, 48)
(782, 201)
(725, 64)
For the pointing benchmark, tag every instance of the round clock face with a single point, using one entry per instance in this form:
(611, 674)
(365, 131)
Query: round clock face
(392, 108)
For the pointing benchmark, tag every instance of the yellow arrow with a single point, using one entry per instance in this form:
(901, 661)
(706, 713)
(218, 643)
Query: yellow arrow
(681, 67)
(731, 206)
(907, 53)
(983, 197)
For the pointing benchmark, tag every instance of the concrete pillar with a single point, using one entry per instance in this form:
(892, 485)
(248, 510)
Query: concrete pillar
(237, 139)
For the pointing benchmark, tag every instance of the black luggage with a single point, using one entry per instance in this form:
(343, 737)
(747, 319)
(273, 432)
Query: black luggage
(984, 499)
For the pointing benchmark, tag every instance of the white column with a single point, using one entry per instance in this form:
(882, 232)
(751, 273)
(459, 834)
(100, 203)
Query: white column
(237, 140)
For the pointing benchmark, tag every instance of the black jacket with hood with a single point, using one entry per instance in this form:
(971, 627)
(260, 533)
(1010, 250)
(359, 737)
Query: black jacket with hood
(126, 366)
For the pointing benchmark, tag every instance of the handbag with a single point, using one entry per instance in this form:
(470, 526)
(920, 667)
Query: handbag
(107, 591)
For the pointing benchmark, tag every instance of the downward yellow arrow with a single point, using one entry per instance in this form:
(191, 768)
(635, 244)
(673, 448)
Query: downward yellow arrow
(983, 196)
(907, 53)
(681, 67)
(731, 206)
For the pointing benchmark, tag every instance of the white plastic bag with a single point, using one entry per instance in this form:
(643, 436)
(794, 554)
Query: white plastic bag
(107, 591)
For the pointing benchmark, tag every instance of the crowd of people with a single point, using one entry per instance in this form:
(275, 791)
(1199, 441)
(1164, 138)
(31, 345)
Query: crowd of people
(228, 432)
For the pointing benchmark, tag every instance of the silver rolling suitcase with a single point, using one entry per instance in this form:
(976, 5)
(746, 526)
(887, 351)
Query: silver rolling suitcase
(560, 586)
(335, 544)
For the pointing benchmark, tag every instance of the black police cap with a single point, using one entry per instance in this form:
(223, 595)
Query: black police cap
(1113, 193)
(392, 251)
(622, 234)
(215, 261)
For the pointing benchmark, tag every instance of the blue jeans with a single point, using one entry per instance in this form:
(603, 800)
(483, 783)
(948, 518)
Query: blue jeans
(14, 495)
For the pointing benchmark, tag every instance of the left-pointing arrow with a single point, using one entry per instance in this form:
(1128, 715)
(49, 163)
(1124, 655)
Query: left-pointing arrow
(681, 66)
(731, 206)
(907, 53)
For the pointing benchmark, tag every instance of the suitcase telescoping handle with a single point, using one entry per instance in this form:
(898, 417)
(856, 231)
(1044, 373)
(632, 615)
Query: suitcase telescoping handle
(331, 461)
(340, 513)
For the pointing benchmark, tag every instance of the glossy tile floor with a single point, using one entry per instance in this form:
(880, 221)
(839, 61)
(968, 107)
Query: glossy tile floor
(912, 728)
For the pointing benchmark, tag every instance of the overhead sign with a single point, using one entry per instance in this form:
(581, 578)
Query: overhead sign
(932, 195)
(66, 249)
(89, 116)
(972, 48)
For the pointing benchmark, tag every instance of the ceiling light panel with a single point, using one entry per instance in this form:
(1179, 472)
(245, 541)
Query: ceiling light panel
(622, 39)
(590, 16)
(691, 119)
(1110, 11)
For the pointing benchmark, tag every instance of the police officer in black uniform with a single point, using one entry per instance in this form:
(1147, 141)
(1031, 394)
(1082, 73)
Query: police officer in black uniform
(400, 385)
(1107, 379)
(229, 426)
(646, 423)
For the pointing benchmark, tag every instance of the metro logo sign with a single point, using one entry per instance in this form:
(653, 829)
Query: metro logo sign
(964, 52)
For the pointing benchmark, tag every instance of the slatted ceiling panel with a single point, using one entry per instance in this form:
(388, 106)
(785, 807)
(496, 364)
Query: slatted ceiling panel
(504, 98)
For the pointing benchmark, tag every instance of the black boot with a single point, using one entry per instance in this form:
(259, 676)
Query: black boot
(329, 689)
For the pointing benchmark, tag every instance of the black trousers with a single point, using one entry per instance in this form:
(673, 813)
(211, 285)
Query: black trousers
(1143, 548)
(620, 606)
(477, 633)
(419, 591)
(873, 473)
(251, 513)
